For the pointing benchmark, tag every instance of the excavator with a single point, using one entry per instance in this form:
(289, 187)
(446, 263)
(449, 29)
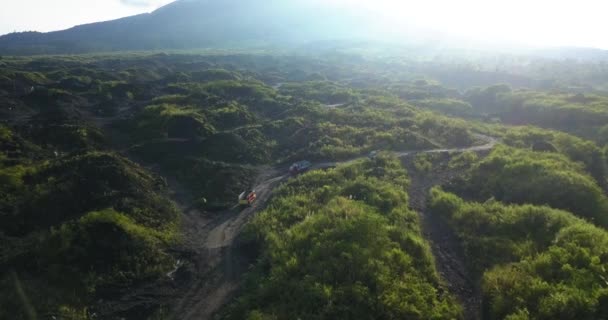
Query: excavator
(247, 198)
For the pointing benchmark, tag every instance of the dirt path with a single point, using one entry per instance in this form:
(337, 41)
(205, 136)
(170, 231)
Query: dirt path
(219, 240)
(218, 266)
(213, 269)
(448, 253)
(224, 234)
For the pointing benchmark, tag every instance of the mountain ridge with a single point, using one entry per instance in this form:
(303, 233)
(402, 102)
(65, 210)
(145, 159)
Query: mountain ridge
(189, 24)
(195, 24)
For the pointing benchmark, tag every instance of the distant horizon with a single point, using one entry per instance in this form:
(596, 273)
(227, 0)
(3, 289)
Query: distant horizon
(570, 25)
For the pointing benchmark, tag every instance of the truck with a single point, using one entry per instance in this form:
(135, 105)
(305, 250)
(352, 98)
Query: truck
(300, 167)
(247, 198)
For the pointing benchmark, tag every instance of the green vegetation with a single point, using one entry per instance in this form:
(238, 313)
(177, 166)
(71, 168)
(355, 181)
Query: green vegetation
(80, 222)
(582, 114)
(448, 106)
(534, 262)
(169, 121)
(74, 225)
(423, 163)
(213, 132)
(463, 160)
(426, 92)
(576, 149)
(322, 91)
(521, 176)
(343, 244)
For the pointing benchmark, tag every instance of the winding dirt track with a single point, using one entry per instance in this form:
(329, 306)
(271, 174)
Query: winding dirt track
(200, 287)
(217, 240)
(212, 241)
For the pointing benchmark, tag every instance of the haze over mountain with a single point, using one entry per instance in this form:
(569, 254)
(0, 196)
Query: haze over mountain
(200, 23)
(189, 24)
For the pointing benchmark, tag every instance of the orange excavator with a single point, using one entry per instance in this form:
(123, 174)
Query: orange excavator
(247, 198)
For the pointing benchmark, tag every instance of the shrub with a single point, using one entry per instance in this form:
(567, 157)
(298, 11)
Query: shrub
(534, 262)
(342, 244)
(520, 176)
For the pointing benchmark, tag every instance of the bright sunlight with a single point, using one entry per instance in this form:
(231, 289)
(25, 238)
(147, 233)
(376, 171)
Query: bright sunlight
(536, 23)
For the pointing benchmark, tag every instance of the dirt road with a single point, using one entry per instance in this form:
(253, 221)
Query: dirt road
(224, 234)
(445, 245)
(212, 268)
(219, 267)
(213, 271)
(218, 239)
(449, 255)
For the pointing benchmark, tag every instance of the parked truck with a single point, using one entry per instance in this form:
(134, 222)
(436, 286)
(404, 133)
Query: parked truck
(300, 167)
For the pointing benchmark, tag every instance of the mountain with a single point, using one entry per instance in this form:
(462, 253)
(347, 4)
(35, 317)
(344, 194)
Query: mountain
(191, 24)
(186, 24)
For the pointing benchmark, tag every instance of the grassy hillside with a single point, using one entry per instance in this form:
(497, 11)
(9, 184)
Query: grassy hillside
(343, 244)
(210, 121)
(521, 176)
(75, 225)
(80, 221)
(92, 147)
(534, 262)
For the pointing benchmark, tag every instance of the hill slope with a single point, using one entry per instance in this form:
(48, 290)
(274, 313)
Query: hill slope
(199, 23)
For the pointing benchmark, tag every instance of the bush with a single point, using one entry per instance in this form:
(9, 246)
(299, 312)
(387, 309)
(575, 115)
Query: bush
(447, 106)
(535, 262)
(341, 244)
(520, 176)
(463, 160)
(576, 149)
(422, 163)
(66, 268)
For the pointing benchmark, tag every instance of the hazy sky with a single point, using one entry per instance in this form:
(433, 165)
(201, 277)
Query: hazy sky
(50, 15)
(531, 22)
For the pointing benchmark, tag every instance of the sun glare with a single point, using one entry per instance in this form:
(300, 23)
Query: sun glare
(499, 22)
(537, 22)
